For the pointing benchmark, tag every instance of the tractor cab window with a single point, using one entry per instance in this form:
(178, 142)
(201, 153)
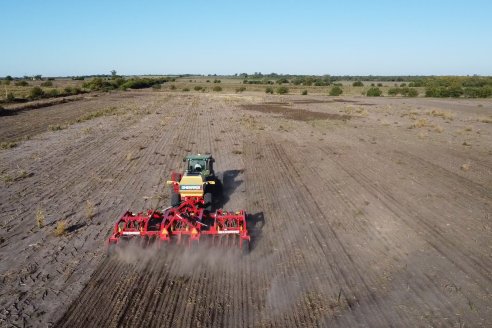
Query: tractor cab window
(197, 166)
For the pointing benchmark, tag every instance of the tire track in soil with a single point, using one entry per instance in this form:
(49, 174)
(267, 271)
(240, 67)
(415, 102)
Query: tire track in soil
(433, 236)
(427, 296)
(343, 270)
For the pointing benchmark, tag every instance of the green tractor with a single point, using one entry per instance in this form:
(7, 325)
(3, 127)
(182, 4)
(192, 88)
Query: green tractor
(198, 182)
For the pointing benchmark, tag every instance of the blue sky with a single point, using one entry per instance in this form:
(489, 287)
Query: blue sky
(55, 37)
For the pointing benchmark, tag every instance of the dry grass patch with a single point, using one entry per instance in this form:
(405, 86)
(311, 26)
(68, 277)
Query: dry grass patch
(438, 129)
(8, 145)
(56, 127)
(420, 123)
(61, 228)
(99, 113)
(442, 114)
(89, 210)
(485, 119)
(40, 217)
(465, 167)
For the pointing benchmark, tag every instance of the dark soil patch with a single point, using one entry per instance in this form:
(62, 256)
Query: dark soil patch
(312, 101)
(295, 113)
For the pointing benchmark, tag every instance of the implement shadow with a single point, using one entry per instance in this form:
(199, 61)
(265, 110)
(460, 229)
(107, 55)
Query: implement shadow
(254, 224)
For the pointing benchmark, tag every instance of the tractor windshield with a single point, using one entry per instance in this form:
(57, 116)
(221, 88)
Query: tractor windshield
(197, 165)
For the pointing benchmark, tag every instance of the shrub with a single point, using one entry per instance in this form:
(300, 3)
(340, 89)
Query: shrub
(380, 84)
(282, 80)
(53, 93)
(72, 91)
(10, 96)
(172, 87)
(304, 92)
(336, 91)
(240, 89)
(47, 84)
(217, 88)
(156, 86)
(217, 81)
(282, 90)
(186, 89)
(478, 92)
(393, 91)
(269, 90)
(374, 92)
(358, 84)
(36, 93)
(412, 93)
(403, 85)
(21, 83)
(198, 87)
(414, 84)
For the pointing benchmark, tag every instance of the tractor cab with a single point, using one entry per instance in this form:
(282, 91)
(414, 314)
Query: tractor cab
(199, 165)
(197, 181)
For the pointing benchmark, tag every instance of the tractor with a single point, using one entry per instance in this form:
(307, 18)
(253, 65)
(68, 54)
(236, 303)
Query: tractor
(192, 219)
(198, 183)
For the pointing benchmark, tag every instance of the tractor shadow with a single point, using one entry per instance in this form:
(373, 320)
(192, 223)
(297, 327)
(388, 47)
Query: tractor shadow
(254, 224)
(229, 183)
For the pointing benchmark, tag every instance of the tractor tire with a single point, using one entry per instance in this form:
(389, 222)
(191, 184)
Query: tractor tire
(175, 199)
(208, 201)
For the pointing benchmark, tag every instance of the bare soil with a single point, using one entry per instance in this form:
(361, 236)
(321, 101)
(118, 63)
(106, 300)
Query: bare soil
(363, 212)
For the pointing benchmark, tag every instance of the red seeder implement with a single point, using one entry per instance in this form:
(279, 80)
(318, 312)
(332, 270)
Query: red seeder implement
(186, 224)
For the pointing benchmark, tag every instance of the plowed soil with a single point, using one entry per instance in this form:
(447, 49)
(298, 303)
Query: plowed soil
(362, 211)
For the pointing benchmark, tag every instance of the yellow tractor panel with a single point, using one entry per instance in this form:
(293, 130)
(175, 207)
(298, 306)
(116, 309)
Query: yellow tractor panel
(191, 185)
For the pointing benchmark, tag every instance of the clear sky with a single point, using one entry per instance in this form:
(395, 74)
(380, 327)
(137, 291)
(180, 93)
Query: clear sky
(65, 37)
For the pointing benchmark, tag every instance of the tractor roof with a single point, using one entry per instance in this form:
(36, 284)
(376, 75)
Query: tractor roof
(199, 157)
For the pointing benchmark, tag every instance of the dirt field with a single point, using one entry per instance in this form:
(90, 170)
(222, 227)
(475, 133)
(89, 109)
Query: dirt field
(363, 212)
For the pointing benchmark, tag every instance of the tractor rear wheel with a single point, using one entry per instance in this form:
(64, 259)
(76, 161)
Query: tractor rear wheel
(175, 199)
